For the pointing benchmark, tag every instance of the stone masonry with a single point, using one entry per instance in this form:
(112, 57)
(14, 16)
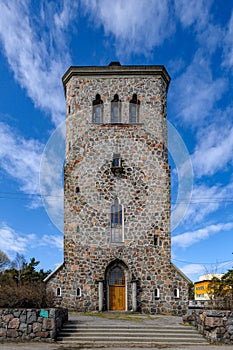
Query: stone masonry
(141, 186)
(215, 325)
(31, 324)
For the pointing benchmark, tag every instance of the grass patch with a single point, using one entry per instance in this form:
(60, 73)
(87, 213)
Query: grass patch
(186, 324)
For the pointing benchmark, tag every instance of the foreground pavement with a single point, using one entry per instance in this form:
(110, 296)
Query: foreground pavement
(44, 346)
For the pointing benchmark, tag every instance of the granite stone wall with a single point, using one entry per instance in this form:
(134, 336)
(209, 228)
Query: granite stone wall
(215, 325)
(31, 324)
(142, 187)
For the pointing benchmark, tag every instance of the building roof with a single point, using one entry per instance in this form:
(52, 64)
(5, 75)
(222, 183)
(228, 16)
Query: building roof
(115, 69)
(53, 272)
(181, 273)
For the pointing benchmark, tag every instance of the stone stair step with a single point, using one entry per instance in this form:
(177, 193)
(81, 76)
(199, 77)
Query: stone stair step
(119, 341)
(126, 331)
(130, 329)
(128, 335)
(123, 332)
(79, 326)
(133, 339)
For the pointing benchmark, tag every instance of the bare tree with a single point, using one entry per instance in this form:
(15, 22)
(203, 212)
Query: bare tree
(19, 264)
(4, 260)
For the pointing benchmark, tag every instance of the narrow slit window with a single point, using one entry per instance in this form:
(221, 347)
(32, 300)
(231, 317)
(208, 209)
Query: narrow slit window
(78, 292)
(176, 293)
(116, 110)
(134, 106)
(116, 222)
(156, 240)
(97, 110)
(58, 292)
(157, 293)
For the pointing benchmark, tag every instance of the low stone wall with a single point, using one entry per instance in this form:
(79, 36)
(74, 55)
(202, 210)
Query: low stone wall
(215, 325)
(31, 324)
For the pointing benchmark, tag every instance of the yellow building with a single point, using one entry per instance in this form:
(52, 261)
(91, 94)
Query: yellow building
(201, 287)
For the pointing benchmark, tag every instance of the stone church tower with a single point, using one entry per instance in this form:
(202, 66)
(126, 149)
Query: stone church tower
(117, 194)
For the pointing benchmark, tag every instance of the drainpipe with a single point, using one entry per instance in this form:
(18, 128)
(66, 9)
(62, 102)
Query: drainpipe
(134, 295)
(101, 295)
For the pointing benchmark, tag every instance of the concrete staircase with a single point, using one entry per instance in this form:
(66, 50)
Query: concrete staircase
(123, 334)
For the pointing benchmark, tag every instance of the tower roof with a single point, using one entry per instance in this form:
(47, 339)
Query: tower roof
(115, 69)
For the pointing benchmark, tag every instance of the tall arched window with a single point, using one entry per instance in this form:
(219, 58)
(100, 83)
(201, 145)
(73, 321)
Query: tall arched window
(117, 221)
(116, 110)
(78, 292)
(157, 293)
(98, 109)
(176, 293)
(134, 105)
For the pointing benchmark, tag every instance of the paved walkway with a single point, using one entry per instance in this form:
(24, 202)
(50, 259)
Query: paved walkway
(44, 346)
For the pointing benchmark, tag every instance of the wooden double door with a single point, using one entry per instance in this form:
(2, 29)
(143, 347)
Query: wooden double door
(117, 290)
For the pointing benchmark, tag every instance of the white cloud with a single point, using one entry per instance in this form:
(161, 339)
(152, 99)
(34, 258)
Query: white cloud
(187, 239)
(136, 25)
(196, 92)
(197, 14)
(192, 12)
(214, 150)
(20, 158)
(193, 270)
(36, 50)
(206, 200)
(53, 241)
(228, 45)
(12, 242)
(211, 37)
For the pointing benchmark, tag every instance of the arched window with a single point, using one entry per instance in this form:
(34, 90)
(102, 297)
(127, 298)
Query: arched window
(157, 293)
(58, 292)
(176, 293)
(116, 221)
(116, 110)
(134, 105)
(78, 292)
(98, 110)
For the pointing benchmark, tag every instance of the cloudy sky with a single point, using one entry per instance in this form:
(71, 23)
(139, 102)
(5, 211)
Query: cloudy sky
(193, 39)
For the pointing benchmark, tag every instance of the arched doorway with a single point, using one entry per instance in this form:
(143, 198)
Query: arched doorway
(117, 294)
(117, 289)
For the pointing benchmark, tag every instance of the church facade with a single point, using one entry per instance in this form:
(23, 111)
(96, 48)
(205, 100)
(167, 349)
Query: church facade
(117, 241)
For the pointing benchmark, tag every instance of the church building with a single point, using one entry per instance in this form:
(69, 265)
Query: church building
(117, 240)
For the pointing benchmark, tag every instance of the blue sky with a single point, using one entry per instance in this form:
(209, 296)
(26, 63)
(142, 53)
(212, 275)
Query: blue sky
(193, 39)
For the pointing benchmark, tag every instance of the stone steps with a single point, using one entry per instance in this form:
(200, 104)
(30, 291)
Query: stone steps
(128, 335)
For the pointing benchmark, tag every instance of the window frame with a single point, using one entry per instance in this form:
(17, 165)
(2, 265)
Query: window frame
(157, 293)
(97, 104)
(176, 293)
(117, 222)
(78, 295)
(58, 294)
(135, 102)
(116, 102)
